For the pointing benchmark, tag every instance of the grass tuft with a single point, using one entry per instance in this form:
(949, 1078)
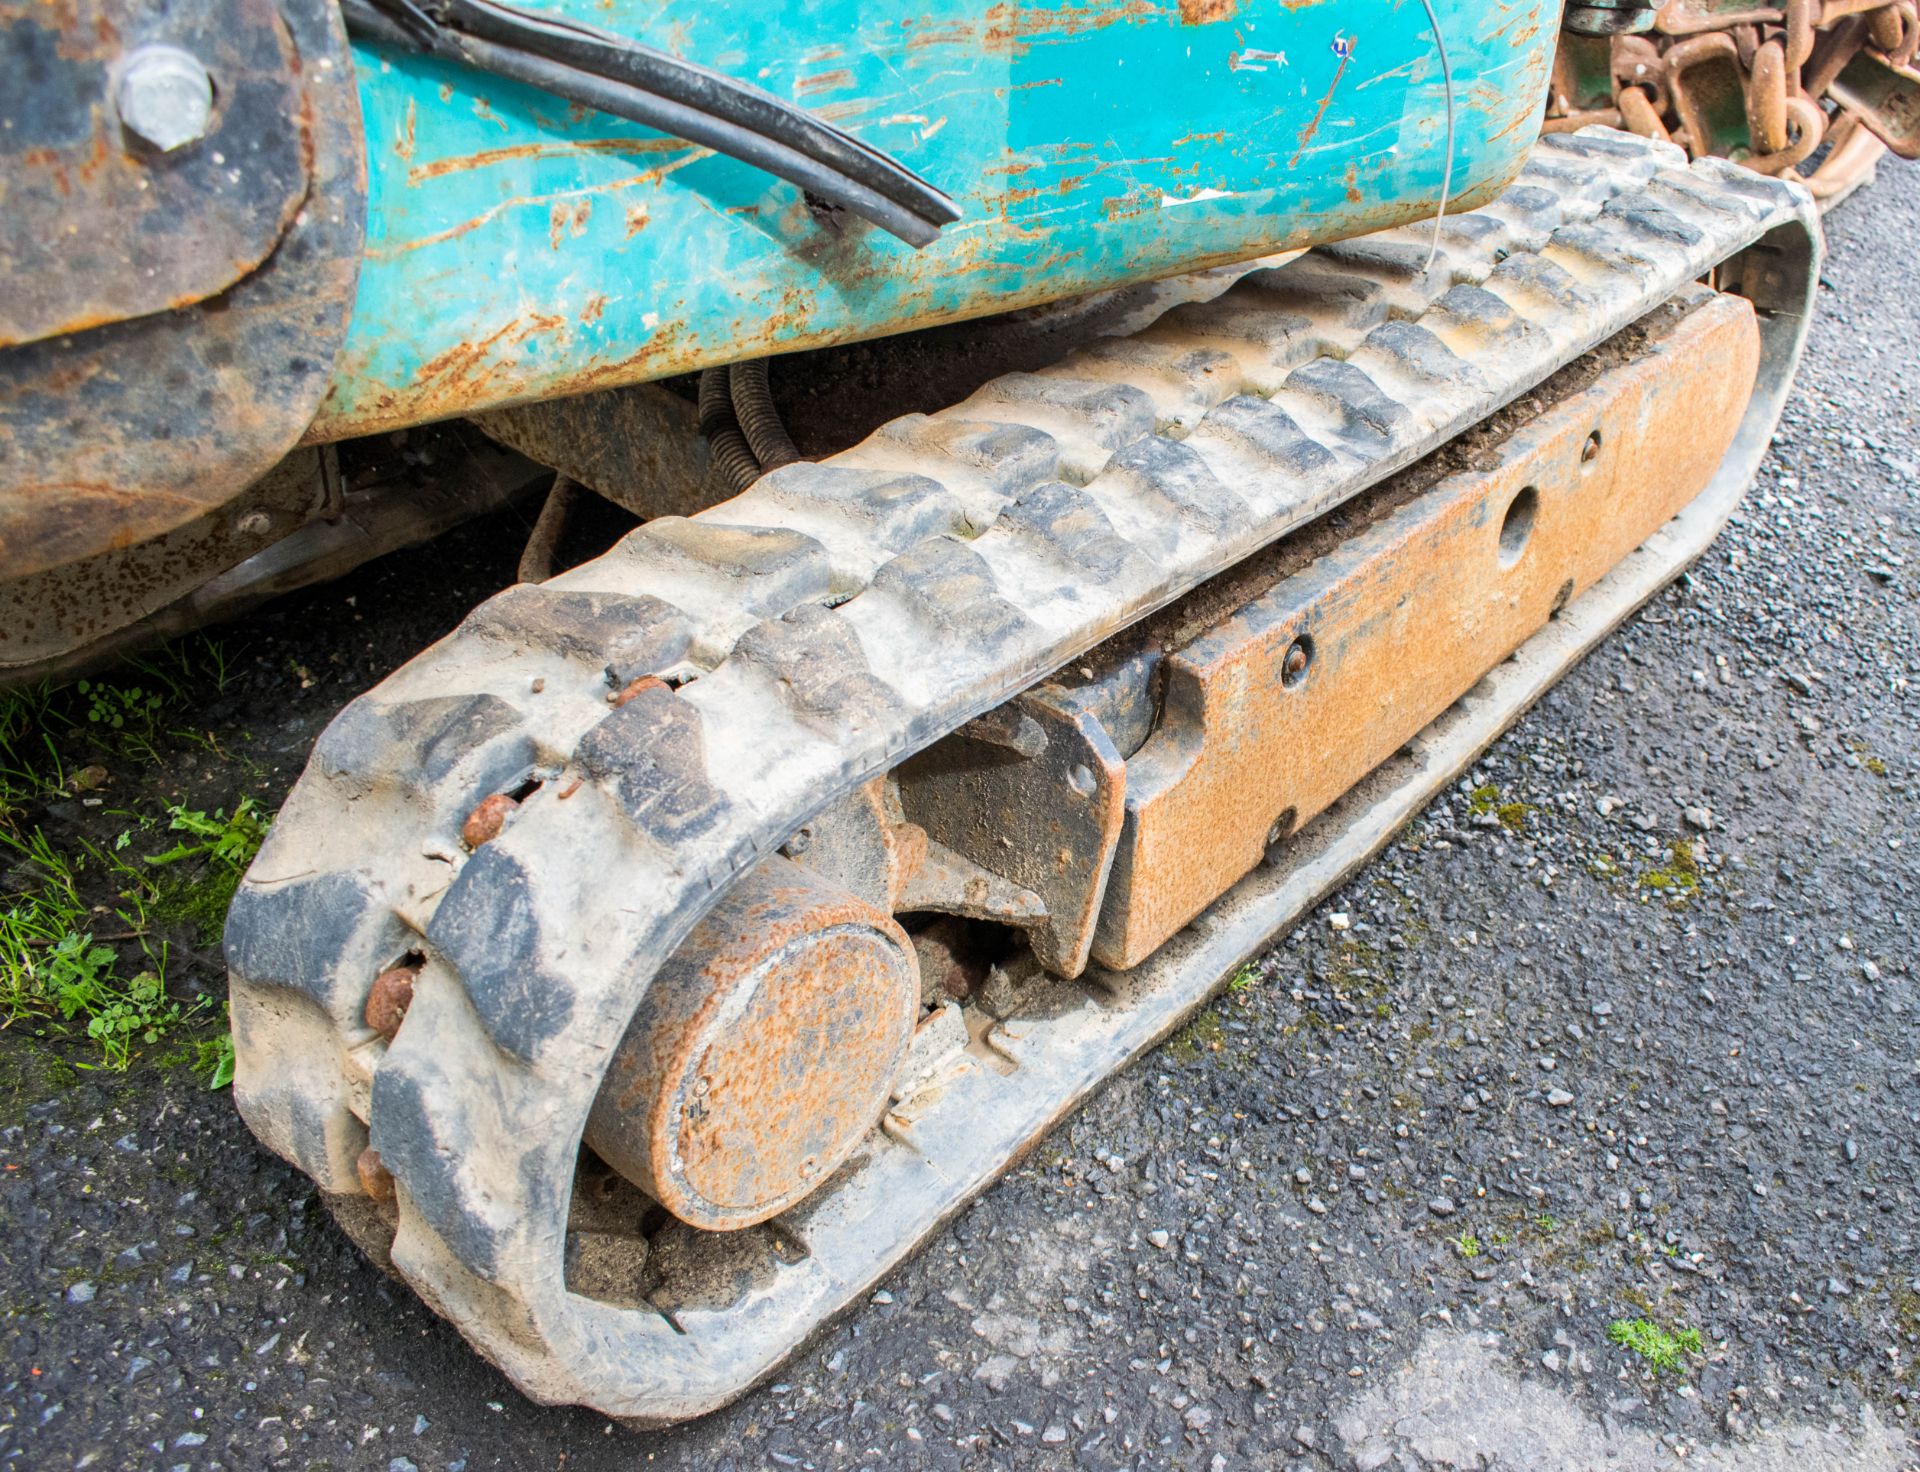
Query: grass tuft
(1663, 1351)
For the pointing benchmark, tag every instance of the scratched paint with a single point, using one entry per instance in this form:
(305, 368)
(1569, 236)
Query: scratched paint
(520, 248)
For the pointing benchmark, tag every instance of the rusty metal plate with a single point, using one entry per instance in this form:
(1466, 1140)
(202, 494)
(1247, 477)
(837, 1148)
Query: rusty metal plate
(129, 430)
(1040, 806)
(101, 222)
(638, 446)
(1273, 714)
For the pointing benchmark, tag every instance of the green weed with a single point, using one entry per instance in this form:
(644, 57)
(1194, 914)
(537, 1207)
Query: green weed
(1678, 878)
(119, 1014)
(228, 843)
(210, 1058)
(30, 764)
(1663, 1351)
(200, 895)
(53, 962)
(214, 1057)
(35, 922)
(121, 707)
(1244, 980)
(1467, 1245)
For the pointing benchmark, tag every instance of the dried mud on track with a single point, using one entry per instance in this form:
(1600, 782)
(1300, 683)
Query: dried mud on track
(1625, 1028)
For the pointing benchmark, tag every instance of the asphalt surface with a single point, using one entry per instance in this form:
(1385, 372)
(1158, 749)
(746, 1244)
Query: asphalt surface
(1626, 1027)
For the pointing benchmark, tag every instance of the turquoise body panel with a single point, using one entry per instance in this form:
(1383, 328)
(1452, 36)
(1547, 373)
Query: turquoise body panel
(518, 248)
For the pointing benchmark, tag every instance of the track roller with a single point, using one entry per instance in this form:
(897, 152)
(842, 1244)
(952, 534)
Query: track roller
(763, 1051)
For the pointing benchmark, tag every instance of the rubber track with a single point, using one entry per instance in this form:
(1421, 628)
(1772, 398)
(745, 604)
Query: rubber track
(826, 623)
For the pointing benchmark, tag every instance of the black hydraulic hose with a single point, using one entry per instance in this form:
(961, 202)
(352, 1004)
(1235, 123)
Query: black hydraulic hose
(610, 95)
(733, 460)
(759, 421)
(705, 90)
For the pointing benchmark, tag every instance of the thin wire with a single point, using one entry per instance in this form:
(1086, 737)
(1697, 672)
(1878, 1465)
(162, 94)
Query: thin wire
(1446, 174)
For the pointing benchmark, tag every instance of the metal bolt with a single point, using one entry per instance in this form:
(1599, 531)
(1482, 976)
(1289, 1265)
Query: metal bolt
(484, 823)
(389, 998)
(375, 1179)
(165, 97)
(1293, 668)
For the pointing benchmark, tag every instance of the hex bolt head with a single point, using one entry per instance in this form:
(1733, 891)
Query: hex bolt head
(165, 97)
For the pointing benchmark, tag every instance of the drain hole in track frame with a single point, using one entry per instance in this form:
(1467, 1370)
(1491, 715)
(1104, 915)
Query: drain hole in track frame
(1517, 526)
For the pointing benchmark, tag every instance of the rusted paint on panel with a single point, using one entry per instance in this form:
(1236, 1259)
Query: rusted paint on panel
(1034, 116)
(1272, 714)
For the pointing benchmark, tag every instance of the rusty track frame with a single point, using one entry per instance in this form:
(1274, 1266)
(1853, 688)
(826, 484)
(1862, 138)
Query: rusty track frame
(477, 1102)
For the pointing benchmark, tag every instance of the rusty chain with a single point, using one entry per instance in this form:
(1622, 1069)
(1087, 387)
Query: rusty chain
(1765, 85)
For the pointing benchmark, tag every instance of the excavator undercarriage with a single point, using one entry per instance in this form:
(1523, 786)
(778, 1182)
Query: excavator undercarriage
(648, 967)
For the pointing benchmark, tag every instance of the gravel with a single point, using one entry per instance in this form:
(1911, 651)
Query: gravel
(1370, 1229)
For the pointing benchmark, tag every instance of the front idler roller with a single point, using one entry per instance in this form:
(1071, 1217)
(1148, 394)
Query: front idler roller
(762, 1053)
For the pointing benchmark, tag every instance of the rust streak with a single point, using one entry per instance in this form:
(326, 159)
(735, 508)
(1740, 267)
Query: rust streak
(823, 82)
(1313, 126)
(1012, 29)
(454, 232)
(488, 158)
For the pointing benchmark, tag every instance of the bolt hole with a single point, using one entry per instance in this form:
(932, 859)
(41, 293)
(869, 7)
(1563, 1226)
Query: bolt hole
(1080, 779)
(1590, 451)
(1517, 525)
(1299, 659)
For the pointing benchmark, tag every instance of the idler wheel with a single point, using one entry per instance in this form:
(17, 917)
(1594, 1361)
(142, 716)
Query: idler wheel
(762, 1052)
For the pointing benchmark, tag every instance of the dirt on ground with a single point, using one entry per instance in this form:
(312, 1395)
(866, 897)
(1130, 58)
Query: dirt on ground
(1580, 1129)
